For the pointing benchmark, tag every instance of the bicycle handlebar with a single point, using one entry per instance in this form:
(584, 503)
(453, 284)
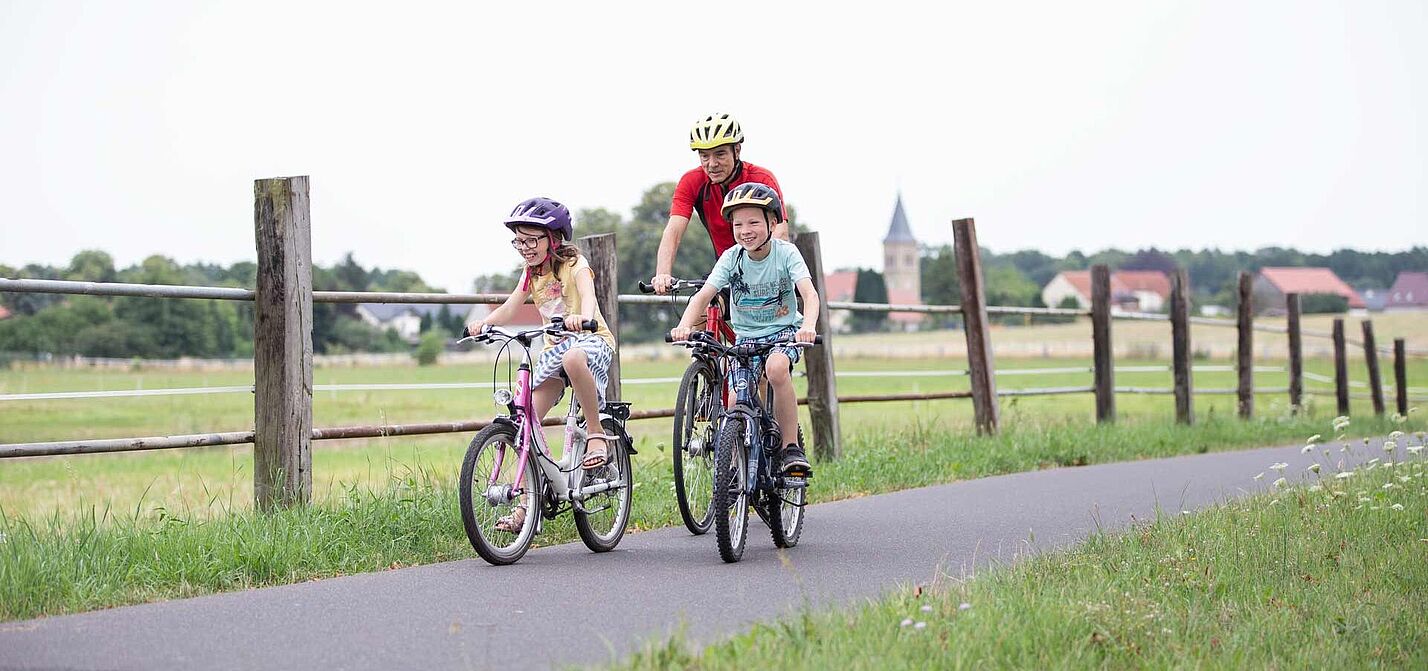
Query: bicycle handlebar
(700, 338)
(675, 287)
(555, 327)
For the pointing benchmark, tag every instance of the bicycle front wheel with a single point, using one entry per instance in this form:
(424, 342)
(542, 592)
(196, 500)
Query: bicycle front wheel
(696, 411)
(731, 498)
(488, 474)
(601, 519)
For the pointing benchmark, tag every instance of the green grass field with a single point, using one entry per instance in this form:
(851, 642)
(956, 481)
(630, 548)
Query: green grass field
(220, 478)
(1328, 574)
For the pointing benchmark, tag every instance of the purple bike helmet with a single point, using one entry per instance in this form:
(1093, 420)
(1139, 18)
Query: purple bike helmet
(544, 213)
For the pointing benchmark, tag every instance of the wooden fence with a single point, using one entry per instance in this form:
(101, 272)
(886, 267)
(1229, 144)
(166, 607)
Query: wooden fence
(282, 433)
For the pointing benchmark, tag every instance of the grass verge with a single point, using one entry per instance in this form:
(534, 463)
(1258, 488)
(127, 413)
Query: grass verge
(68, 563)
(1324, 574)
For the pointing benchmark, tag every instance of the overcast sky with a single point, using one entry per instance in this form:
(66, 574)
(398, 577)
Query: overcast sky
(138, 127)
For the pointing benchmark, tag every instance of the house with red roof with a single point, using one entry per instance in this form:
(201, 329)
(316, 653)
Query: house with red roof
(839, 286)
(4, 313)
(1131, 290)
(1409, 292)
(1272, 284)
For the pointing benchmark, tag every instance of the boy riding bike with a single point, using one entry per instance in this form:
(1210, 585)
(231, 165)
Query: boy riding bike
(761, 274)
(718, 139)
(563, 285)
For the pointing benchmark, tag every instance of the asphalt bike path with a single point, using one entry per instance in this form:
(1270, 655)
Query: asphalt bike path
(564, 605)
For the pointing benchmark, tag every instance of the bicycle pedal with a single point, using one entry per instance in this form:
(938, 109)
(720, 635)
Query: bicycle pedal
(794, 482)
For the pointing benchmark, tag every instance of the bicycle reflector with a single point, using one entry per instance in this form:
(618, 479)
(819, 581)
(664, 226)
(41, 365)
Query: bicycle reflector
(503, 397)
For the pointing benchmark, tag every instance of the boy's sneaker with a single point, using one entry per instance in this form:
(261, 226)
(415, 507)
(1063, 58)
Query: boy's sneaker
(795, 462)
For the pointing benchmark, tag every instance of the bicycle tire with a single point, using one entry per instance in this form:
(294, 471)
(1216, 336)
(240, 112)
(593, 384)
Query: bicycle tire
(477, 516)
(731, 503)
(617, 466)
(694, 473)
(786, 521)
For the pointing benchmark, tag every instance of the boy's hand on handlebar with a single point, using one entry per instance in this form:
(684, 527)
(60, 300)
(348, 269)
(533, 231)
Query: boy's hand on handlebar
(805, 335)
(662, 283)
(679, 333)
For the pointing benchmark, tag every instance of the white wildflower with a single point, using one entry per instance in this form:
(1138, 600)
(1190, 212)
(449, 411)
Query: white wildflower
(906, 622)
(1345, 475)
(927, 609)
(1397, 506)
(1389, 485)
(1364, 499)
(1388, 445)
(1280, 483)
(964, 606)
(1395, 435)
(1313, 468)
(920, 625)
(1307, 449)
(1414, 449)
(1314, 439)
(1260, 476)
(1278, 466)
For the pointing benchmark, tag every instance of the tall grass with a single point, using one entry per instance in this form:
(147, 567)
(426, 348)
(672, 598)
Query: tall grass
(104, 557)
(1328, 574)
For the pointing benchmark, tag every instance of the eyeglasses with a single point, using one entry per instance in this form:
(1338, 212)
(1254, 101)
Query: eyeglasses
(525, 243)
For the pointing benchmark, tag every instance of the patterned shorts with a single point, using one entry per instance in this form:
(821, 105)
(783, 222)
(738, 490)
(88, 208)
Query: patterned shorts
(598, 354)
(793, 353)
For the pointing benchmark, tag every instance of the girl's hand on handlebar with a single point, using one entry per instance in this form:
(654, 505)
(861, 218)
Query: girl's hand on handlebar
(805, 335)
(474, 328)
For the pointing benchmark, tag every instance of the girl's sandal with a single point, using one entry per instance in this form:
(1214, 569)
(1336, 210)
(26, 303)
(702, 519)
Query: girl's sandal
(595, 457)
(513, 522)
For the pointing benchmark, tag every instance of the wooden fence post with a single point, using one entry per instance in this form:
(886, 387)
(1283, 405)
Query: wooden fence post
(1105, 375)
(1371, 358)
(282, 344)
(822, 385)
(1400, 374)
(1180, 345)
(599, 250)
(980, 366)
(1244, 353)
(1341, 369)
(1296, 354)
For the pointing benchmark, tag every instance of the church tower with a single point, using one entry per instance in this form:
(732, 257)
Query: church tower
(902, 270)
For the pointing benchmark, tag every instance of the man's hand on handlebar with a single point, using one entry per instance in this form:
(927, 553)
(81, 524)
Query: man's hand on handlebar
(679, 333)
(662, 283)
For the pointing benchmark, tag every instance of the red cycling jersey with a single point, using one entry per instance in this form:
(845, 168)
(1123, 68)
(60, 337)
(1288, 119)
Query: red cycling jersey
(695, 190)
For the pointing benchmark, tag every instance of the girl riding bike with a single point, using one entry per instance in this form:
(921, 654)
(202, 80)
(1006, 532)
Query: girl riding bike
(562, 284)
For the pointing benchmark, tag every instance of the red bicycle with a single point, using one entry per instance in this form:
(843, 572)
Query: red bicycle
(703, 395)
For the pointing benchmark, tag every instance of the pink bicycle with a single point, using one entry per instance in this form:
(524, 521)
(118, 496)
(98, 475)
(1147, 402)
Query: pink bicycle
(508, 468)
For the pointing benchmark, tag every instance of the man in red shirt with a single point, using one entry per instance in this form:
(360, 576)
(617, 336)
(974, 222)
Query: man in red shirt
(718, 139)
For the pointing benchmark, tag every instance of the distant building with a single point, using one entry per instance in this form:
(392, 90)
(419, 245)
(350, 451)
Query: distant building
(1409, 292)
(1272, 284)
(405, 320)
(1131, 290)
(902, 268)
(839, 286)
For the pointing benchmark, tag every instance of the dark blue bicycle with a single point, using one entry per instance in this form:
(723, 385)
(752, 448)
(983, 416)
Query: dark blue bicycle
(746, 452)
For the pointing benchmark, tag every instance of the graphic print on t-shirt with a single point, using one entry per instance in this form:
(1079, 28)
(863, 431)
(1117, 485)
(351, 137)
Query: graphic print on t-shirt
(763, 302)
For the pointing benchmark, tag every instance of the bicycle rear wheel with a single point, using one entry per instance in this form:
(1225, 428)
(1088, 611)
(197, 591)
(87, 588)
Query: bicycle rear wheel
(696, 411)
(731, 499)
(483, 502)
(602, 522)
(783, 509)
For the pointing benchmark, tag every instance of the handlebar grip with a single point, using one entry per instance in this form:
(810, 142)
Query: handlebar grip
(818, 340)
(646, 288)
(590, 325)
(668, 338)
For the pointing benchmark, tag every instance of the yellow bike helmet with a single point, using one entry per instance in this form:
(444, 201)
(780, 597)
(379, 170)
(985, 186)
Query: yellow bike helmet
(715, 130)
(754, 194)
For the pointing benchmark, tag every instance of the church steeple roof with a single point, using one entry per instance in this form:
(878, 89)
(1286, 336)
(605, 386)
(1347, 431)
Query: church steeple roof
(898, 230)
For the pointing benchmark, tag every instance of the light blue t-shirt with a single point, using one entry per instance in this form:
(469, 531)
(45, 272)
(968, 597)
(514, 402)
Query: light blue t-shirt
(762, 293)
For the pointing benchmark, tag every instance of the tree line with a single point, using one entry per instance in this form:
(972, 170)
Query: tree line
(146, 327)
